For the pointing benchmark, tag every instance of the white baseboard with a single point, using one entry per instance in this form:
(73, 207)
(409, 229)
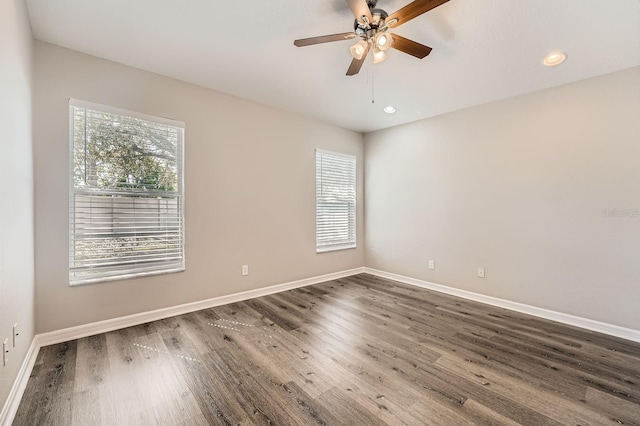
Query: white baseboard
(15, 395)
(589, 324)
(93, 328)
(13, 401)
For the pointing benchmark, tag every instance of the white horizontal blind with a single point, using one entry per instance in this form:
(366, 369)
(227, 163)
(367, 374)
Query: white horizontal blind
(126, 194)
(335, 201)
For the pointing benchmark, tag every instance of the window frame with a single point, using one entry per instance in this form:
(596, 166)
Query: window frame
(161, 267)
(351, 241)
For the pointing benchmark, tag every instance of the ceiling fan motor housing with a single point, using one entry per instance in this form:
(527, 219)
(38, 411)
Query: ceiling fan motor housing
(379, 17)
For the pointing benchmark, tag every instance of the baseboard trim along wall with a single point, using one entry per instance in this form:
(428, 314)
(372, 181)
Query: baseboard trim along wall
(13, 401)
(17, 390)
(600, 327)
(91, 329)
(45, 339)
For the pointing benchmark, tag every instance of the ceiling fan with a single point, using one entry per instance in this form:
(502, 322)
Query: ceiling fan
(371, 26)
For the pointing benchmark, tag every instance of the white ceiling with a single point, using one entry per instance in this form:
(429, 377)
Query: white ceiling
(483, 50)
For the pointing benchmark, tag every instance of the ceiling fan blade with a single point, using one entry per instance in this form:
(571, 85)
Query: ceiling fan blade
(324, 39)
(356, 64)
(412, 10)
(359, 9)
(409, 46)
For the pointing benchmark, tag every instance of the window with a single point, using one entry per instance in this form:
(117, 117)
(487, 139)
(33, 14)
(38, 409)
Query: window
(126, 194)
(335, 201)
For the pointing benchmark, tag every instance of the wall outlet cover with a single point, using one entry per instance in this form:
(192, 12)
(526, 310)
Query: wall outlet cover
(15, 334)
(5, 352)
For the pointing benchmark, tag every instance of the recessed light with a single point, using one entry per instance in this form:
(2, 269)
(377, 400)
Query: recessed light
(389, 109)
(554, 58)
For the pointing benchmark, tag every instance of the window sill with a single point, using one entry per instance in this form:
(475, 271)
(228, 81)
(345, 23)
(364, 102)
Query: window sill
(88, 281)
(335, 248)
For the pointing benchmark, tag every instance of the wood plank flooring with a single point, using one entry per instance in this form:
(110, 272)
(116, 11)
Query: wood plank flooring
(355, 351)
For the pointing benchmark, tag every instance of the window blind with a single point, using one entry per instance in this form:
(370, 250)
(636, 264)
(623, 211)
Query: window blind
(335, 201)
(126, 194)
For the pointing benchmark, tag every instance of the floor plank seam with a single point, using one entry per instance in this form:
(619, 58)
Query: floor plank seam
(165, 352)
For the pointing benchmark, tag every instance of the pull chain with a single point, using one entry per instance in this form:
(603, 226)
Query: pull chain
(373, 98)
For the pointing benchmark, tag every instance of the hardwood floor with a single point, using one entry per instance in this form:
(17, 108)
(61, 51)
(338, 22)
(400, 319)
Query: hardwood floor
(355, 351)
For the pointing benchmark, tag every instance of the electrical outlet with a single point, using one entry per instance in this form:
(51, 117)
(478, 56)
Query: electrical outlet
(245, 270)
(5, 352)
(480, 272)
(432, 264)
(15, 334)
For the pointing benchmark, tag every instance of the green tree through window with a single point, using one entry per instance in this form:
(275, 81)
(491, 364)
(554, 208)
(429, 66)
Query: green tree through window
(126, 201)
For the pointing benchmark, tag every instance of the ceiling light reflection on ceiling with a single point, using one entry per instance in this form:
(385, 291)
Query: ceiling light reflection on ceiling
(554, 58)
(358, 49)
(389, 109)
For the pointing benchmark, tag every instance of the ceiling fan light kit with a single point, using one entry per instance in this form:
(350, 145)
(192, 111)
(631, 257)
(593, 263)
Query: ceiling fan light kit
(383, 41)
(371, 26)
(378, 55)
(358, 50)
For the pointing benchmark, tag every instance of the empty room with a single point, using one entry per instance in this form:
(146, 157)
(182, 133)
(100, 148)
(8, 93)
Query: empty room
(335, 212)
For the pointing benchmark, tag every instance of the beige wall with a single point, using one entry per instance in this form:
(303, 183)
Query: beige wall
(519, 187)
(516, 186)
(16, 187)
(250, 190)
